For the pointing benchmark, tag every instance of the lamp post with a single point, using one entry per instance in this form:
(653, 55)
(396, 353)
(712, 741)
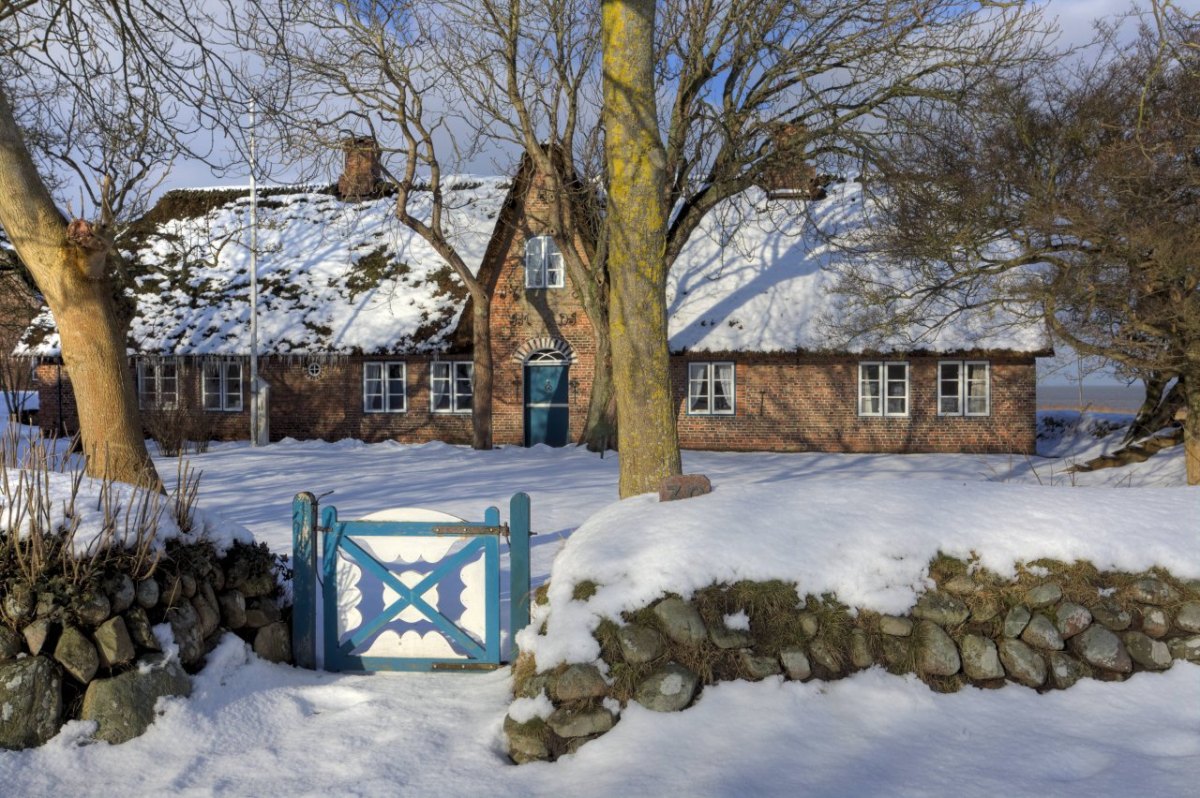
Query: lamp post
(259, 390)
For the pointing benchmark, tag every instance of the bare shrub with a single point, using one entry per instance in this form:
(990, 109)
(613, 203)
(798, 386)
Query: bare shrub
(177, 428)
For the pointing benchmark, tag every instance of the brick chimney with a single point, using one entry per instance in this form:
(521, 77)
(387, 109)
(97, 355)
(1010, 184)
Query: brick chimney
(785, 174)
(361, 173)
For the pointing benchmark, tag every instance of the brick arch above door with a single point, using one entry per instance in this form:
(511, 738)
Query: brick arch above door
(542, 344)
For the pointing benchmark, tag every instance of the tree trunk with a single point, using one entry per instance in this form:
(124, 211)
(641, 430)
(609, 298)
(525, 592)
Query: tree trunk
(1157, 410)
(481, 399)
(1191, 428)
(637, 224)
(600, 427)
(78, 291)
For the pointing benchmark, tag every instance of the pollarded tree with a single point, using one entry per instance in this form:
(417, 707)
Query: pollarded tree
(86, 106)
(1074, 195)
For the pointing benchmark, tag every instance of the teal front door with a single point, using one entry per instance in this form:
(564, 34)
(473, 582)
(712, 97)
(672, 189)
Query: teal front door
(547, 405)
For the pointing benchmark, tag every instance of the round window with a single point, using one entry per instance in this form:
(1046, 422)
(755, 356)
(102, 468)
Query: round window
(314, 370)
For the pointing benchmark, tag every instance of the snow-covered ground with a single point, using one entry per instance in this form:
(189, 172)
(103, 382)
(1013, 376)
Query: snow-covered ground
(256, 729)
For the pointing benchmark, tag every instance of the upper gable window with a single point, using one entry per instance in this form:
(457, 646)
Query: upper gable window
(543, 264)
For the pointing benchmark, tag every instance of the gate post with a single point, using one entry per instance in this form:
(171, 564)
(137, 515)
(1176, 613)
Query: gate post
(304, 580)
(518, 566)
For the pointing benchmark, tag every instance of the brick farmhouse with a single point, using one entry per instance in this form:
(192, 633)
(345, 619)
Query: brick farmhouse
(363, 334)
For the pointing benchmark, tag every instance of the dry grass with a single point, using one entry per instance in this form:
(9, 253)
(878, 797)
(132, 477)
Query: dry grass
(38, 541)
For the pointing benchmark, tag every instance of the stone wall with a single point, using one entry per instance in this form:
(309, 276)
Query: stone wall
(1052, 626)
(88, 650)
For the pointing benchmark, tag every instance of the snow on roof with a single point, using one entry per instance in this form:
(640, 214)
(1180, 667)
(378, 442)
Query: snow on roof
(334, 277)
(755, 276)
(346, 277)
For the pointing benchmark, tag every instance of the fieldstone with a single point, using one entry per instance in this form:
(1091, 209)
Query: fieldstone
(668, 689)
(1153, 591)
(810, 624)
(961, 586)
(681, 621)
(260, 612)
(579, 682)
(795, 664)
(205, 591)
(526, 741)
(897, 652)
(941, 608)
(19, 602)
(1100, 648)
(48, 607)
(1043, 596)
(30, 702)
(113, 643)
(210, 618)
(1112, 615)
(1041, 633)
(1016, 620)
(570, 723)
(273, 642)
(683, 486)
(137, 623)
(172, 591)
(1151, 654)
(895, 625)
(936, 653)
(147, 593)
(985, 611)
(1071, 619)
(1187, 618)
(1023, 664)
(93, 609)
(757, 667)
(1154, 621)
(36, 634)
(233, 608)
(980, 661)
(639, 644)
(1065, 670)
(121, 593)
(725, 638)
(77, 655)
(825, 655)
(124, 706)
(185, 626)
(860, 649)
(1185, 648)
(1192, 586)
(534, 686)
(217, 578)
(187, 583)
(10, 644)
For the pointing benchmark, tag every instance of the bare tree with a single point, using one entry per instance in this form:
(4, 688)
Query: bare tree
(1072, 196)
(96, 100)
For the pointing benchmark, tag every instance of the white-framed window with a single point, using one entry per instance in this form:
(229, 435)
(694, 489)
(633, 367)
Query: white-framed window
(883, 388)
(157, 383)
(221, 385)
(543, 264)
(384, 387)
(711, 389)
(451, 386)
(964, 388)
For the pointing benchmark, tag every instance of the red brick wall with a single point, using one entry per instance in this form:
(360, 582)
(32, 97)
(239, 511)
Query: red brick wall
(520, 315)
(804, 403)
(328, 406)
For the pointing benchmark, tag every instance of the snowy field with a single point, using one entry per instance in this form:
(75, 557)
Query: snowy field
(256, 729)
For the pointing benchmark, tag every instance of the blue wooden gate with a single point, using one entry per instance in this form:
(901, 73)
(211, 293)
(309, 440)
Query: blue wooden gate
(405, 589)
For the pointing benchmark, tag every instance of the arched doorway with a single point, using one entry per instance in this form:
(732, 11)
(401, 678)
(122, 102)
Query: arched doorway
(547, 398)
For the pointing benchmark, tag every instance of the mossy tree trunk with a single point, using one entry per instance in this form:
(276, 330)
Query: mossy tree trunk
(637, 226)
(481, 399)
(1191, 427)
(72, 273)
